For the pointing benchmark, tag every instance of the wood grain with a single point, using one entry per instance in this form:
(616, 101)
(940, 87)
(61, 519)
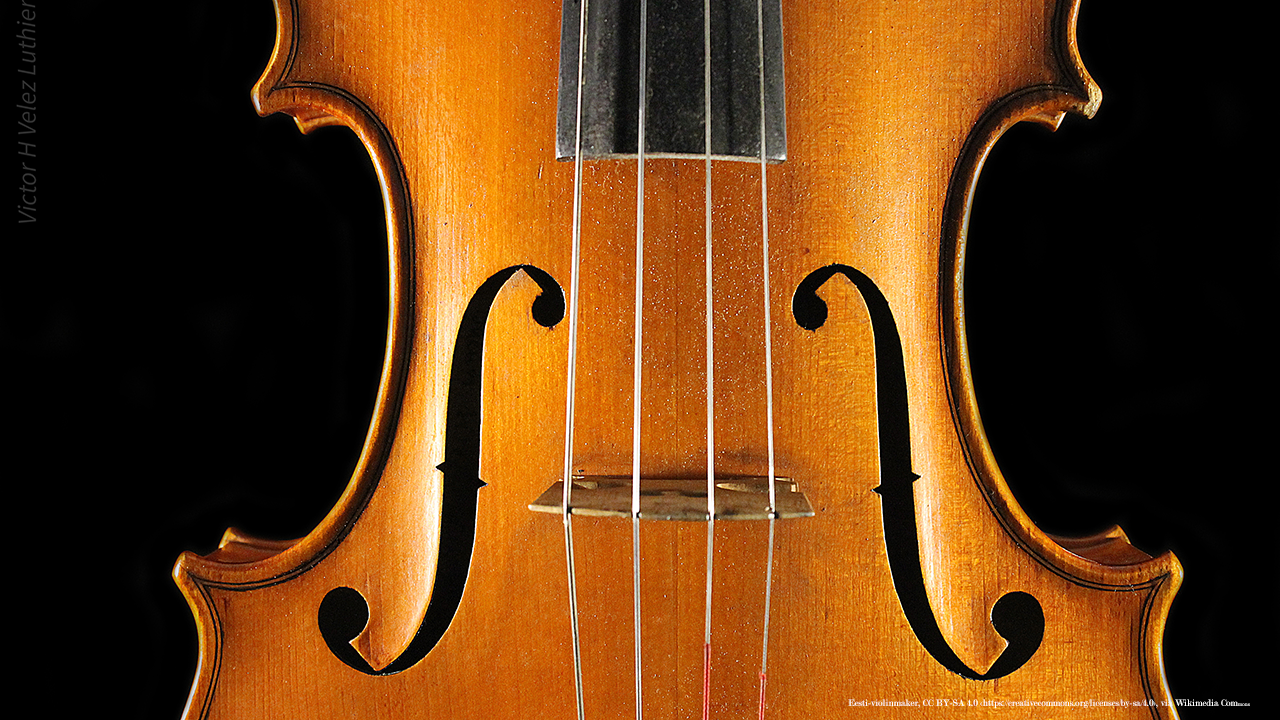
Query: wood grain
(891, 110)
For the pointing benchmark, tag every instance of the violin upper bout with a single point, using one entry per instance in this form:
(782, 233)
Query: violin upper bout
(1068, 53)
(273, 92)
(1071, 90)
(304, 78)
(281, 57)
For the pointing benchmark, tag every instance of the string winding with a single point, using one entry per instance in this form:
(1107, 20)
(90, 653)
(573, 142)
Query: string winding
(768, 355)
(571, 375)
(636, 359)
(710, 359)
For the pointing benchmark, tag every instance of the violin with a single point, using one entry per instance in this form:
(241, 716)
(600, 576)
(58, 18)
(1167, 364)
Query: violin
(676, 416)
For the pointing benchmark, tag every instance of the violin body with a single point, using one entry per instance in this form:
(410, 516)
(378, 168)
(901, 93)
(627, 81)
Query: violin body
(431, 590)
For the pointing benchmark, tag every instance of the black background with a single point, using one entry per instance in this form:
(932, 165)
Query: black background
(193, 330)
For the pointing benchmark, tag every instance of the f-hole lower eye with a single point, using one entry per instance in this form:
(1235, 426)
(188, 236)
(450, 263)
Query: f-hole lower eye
(342, 616)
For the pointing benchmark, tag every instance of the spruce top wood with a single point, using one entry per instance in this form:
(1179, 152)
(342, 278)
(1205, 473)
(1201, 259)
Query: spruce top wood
(431, 590)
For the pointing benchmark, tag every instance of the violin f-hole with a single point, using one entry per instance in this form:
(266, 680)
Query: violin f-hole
(1016, 616)
(344, 613)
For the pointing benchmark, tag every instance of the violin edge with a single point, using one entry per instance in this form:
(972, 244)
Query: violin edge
(1046, 105)
(240, 559)
(1066, 50)
(242, 562)
(1105, 560)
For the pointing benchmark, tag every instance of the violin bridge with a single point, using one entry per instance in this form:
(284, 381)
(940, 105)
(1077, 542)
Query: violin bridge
(737, 498)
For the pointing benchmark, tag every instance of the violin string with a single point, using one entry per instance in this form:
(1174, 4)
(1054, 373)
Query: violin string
(710, 360)
(571, 375)
(636, 359)
(768, 355)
